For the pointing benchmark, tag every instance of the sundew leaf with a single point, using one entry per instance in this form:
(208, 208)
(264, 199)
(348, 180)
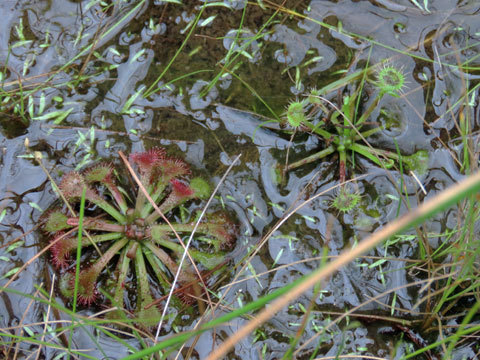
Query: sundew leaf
(417, 162)
(56, 221)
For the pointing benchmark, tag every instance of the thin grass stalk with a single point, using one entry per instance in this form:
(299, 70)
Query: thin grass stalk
(293, 343)
(77, 265)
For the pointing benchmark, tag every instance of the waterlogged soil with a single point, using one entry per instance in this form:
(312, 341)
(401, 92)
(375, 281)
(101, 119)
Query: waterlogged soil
(139, 45)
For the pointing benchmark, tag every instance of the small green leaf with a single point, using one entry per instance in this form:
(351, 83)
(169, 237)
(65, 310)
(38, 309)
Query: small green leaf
(132, 98)
(29, 331)
(41, 105)
(277, 206)
(262, 5)
(92, 134)
(11, 272)
(309, 218)
(30, 107)
(60, 356)
(59, 116)
(377, 263)
(313, 60)
(137, 55)
(207, 21)
(21, 43)
(244, 53)
(2, 214)
(394, 301)
(279, 255)
(114, 51)
(35, 206)
(14, 246)
(218, 4)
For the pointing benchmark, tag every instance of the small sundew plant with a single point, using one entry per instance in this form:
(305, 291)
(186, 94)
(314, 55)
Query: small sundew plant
(346, 200)
(390, 80)
(128, 242)
(343, 127)
(295, 113)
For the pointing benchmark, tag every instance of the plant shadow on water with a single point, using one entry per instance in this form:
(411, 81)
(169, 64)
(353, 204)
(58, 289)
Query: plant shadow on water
(221, 92)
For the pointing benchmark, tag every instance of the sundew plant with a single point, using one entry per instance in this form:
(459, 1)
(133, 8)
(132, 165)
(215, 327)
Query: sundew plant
(343, 123)
(129, 240)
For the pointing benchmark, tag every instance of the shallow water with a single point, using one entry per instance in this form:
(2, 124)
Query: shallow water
(209, 130)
